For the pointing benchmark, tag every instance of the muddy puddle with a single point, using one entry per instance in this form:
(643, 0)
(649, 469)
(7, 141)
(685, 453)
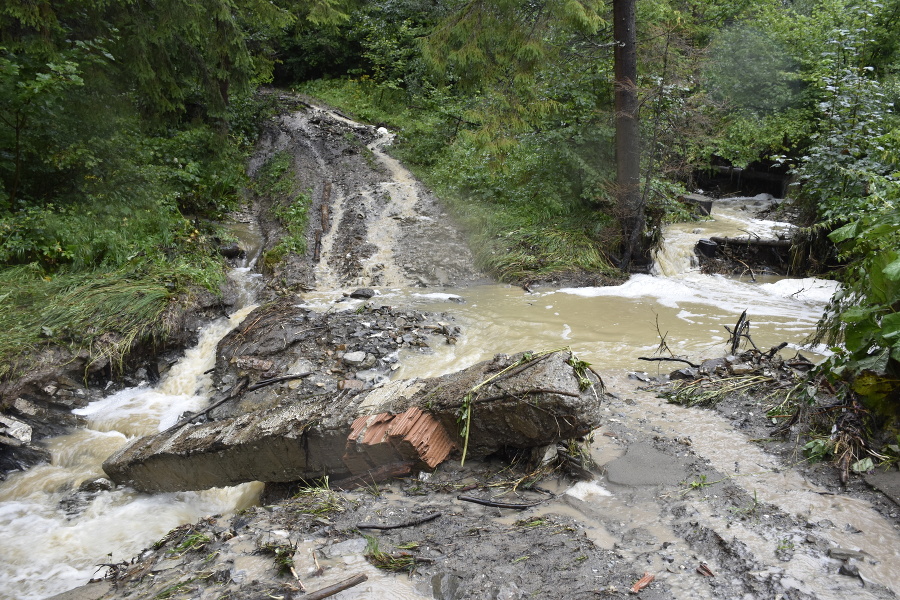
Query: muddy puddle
(796, 551)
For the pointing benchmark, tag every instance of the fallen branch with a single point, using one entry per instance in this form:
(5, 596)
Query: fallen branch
(752, 274)
(331, 590)
(666, 358)
(264, 382)
(493, 504)
(412, 523)
(771, 353)
(522, 367)
(238, 388)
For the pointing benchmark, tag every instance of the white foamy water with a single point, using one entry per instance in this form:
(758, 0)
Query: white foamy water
(52, 540)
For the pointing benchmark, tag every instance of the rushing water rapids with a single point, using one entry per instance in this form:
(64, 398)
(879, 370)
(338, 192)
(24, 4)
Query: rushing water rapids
(52, 545)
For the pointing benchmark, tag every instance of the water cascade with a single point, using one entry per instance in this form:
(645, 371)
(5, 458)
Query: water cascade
(55, 535)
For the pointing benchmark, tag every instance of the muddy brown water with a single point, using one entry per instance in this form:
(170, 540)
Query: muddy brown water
(53, 539)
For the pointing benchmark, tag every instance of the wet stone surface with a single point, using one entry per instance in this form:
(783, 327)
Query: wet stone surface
(347, 348)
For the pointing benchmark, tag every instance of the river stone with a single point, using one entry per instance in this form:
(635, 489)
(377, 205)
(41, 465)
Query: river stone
(14, 432)
(363, 293)
(355, 359)
(526, 403)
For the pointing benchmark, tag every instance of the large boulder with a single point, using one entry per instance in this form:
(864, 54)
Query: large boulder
(521, 401)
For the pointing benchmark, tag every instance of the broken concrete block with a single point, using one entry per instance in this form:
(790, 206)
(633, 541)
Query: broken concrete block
(515, 402)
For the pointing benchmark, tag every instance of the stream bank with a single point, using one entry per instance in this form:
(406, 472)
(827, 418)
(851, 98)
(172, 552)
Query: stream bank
(673, 488)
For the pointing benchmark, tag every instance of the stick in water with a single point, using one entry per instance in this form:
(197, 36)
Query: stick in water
(493, 504)
(331, 590)
(413, 523)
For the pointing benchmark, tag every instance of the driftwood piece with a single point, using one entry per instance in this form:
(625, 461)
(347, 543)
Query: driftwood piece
(413, 523)
(494, 504)
(666, 358)
(264, 382)
(741, 329)
(331, 590)
(771, 353)
(317, 247)
(726, 241)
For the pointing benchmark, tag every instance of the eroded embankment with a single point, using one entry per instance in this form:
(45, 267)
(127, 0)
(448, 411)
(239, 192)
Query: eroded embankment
(371, 222)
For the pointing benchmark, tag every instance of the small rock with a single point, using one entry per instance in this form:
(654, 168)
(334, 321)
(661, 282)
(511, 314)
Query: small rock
(15, 432)
(742, 369)
(364, 293)
(844, 554)
(709, 367)
(28, 408)
(849, 569)
(350, 384)
(97, 484)
(354, 359)
(251, 362)
(231, 251)
(686, 373)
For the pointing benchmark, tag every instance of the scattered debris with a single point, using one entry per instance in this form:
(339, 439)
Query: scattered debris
(525, 401)
(643, 582)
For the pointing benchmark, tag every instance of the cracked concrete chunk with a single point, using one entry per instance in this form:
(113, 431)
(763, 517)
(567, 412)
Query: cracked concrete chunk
(517, 403)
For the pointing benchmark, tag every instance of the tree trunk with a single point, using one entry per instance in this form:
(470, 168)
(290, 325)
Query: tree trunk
(628, 150)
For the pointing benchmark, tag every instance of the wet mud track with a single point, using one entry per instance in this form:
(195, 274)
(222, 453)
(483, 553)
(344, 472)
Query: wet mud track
(371, 222)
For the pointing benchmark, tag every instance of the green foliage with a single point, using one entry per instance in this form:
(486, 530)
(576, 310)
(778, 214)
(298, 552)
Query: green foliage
(850, 176)
(192, 542)
(283, 554)
(752, 72)
(394, 562)
(318, 500)
(102, 312)
(276, 180)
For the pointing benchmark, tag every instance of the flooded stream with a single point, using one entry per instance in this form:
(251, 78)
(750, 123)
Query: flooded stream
(52, 543)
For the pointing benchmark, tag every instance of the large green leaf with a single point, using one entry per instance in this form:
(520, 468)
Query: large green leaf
(856, 314)
(850, 230)
(890, 326)
(892, 271)
(861, 335)
(872, 386)
(874, 364)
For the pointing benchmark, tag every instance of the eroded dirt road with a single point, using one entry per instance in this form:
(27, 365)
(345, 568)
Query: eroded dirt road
(681, 494)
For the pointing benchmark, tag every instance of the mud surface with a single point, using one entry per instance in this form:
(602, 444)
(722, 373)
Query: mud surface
(652, 503)
(371, 222)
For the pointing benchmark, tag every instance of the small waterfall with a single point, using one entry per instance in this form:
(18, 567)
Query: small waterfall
(55, 533)
(731, 217)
